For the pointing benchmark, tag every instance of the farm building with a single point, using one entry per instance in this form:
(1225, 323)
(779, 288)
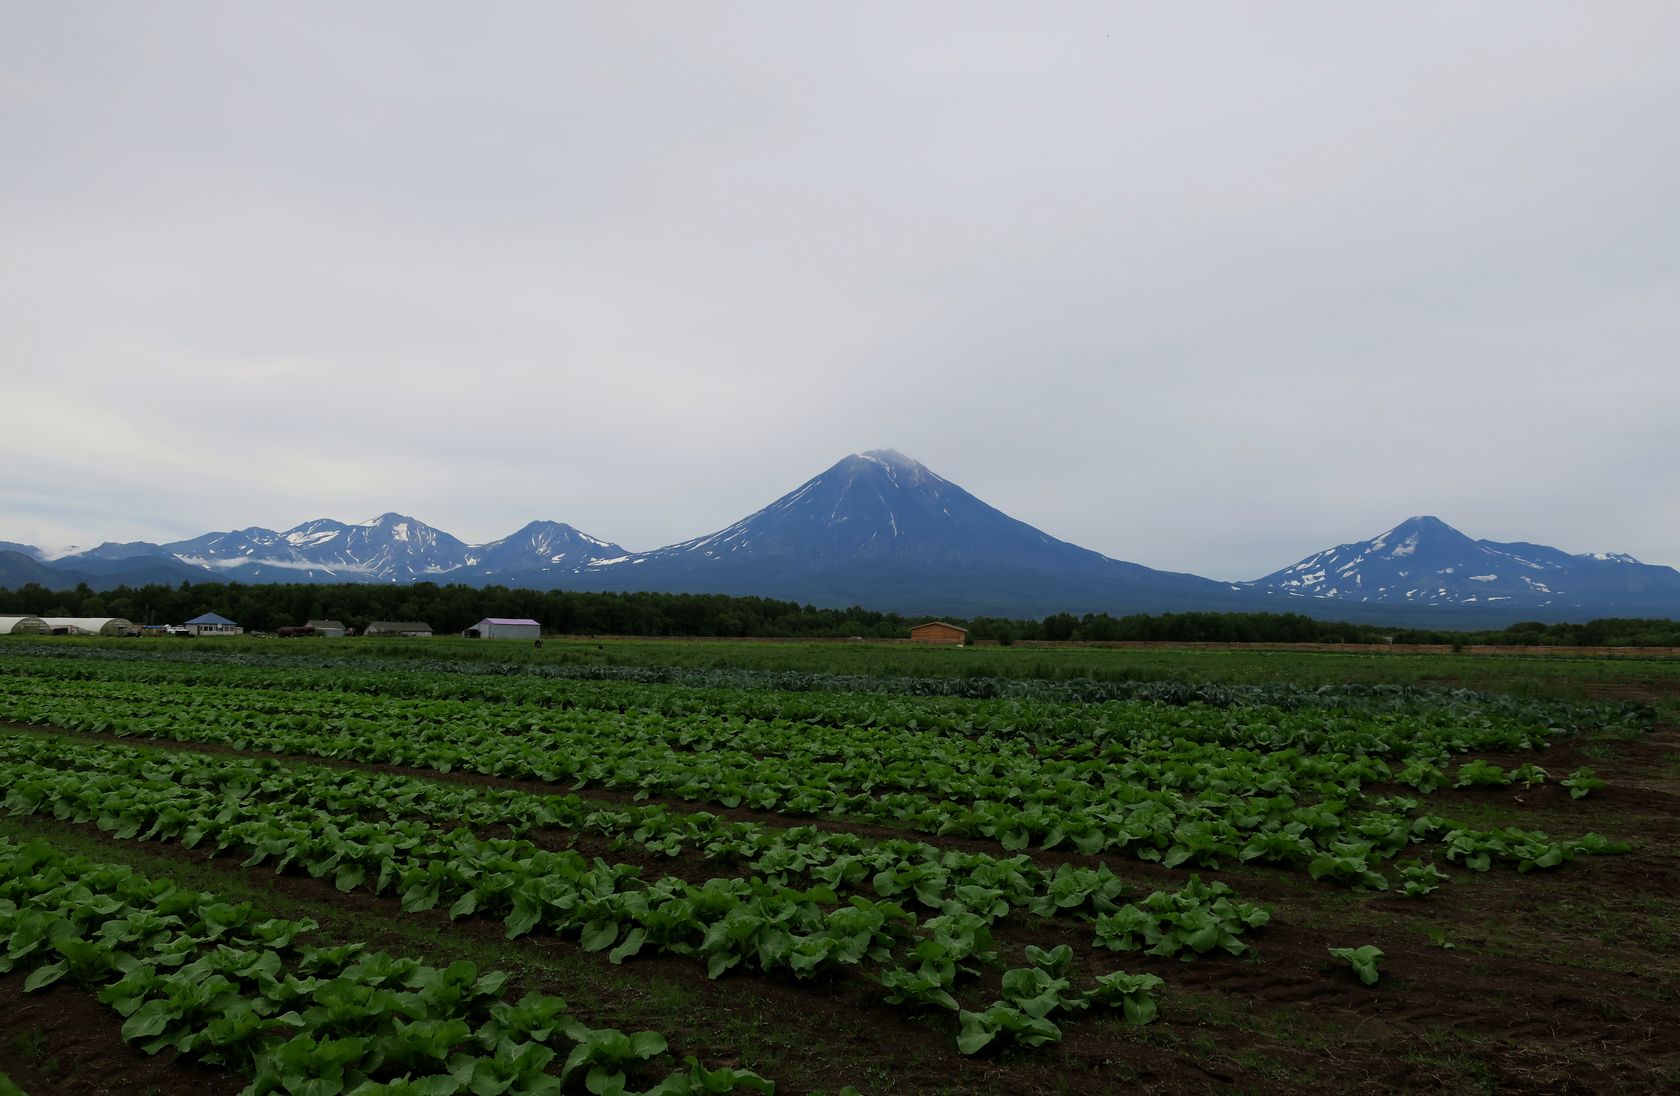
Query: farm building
(937, 631)
(90, 626)
(213, 624)
(332, 629)
(413, 629)
(505, 628)
(23, 626)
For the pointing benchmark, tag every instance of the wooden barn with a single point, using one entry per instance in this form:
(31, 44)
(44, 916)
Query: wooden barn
(937, 631)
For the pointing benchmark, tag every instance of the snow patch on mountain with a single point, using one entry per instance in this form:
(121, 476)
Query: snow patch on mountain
(1423, 560)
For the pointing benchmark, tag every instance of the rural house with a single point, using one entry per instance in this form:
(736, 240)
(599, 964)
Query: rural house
(937, 631)
(213, 624)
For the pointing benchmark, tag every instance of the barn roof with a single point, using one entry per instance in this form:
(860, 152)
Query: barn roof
(511, 620)
(213, 618)
(940, 624)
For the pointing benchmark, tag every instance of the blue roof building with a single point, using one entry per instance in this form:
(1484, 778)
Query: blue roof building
(213, 624)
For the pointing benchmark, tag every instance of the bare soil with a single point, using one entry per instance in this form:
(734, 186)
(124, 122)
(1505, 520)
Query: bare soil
(60, 1041)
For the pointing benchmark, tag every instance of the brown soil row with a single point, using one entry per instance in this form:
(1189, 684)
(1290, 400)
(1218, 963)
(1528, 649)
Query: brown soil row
(60, 1041)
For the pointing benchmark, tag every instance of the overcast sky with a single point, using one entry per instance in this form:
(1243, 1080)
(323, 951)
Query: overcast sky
(1203, 286)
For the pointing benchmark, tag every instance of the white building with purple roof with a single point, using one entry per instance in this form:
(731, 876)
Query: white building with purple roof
(505, 628)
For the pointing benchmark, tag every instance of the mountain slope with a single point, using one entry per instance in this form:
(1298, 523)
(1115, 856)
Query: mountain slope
(390, 548)
(540, 547)
(1425, 561)
(882, 530)
(18, 570)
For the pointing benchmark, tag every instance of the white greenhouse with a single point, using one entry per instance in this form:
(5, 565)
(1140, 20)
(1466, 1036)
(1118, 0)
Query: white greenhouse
(91, 626)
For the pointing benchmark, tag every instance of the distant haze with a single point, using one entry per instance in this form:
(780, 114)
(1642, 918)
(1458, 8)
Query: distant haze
(1208, 287)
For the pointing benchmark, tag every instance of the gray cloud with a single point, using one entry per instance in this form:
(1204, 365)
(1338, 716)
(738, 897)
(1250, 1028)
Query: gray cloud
(1203, 286)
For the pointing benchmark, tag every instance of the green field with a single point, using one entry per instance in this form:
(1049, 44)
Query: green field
(897, 868)
(1558, 677)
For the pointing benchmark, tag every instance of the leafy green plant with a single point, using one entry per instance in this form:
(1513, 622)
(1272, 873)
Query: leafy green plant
(1074, 888)
(1349, 863)
(1422, 775)
(192, 973)
(1134, 994)
(1479, 773)
(607, 1053)
(1362, 959)
(980, 1029)
(1419, 879)
(1192, 921)
(1582, 782)
(700, 1081)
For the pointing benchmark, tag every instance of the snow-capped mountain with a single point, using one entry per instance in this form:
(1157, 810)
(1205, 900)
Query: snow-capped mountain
(1425, 561)
(883, 530)
(877, 505)
(229, 549)
(389, 548)
(542, 547)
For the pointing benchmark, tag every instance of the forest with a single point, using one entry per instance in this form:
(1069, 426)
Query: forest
(453, 608)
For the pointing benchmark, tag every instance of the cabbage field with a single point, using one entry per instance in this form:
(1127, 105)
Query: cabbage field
(300, 867)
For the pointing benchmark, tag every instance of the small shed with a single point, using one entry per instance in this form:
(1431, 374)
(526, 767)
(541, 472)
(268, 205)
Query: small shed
(937, 631)
(505, 628)
(413, 629)
(23, 626)
(332, 629)
(90, 626)
(213, 624)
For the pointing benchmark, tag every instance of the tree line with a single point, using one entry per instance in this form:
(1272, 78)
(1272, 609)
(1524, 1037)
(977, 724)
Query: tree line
(454, 608)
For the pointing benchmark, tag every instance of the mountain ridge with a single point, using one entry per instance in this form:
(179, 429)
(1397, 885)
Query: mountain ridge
(878, 528)
(1425, 561)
